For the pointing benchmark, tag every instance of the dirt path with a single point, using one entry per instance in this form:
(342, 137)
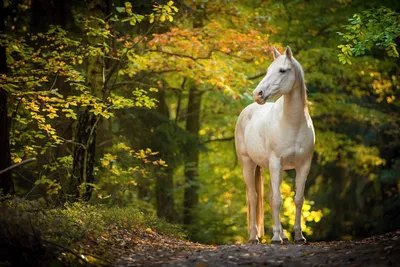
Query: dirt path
(381, 250)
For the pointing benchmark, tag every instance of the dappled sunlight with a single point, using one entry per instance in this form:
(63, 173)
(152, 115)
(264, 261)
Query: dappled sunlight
(117, 129)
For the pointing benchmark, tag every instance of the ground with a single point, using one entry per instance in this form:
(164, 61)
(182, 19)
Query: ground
(152, 249)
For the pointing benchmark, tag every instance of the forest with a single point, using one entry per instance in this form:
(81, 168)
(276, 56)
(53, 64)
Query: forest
(121, 115)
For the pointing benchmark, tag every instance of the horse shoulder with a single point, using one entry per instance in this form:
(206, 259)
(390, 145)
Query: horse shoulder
(241, 126)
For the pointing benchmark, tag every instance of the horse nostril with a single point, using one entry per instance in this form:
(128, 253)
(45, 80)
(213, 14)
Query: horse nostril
(260, 93)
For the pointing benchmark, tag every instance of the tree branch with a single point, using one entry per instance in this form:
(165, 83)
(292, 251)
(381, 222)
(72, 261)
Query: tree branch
(17, 165)
(256, 76)
(231, 54)
(72, 142)
(181, 55)
(220, 139)
(117, 64)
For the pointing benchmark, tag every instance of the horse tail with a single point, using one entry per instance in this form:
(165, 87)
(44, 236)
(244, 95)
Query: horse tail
(260, 201)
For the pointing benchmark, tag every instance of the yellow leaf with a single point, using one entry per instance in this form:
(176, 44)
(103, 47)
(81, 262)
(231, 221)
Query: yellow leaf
(149, 231)
(162, 18)
(52, 115)
(162, 163)
(106, 162)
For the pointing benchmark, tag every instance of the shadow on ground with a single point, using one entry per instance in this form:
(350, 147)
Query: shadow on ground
(383, 250)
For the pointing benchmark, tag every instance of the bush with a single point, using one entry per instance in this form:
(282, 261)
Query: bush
(31, 232)
(21, 242)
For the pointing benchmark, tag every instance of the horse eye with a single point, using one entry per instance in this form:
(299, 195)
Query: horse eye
(282, 70)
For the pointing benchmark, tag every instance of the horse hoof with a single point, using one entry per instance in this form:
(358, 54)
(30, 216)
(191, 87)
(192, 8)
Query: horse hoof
(252, 242)
(301, 242)
(276, 242)
(285, 241)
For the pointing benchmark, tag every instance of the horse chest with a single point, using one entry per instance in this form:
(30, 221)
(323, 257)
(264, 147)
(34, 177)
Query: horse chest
(294, 148)
(290, 145)
(291, 155)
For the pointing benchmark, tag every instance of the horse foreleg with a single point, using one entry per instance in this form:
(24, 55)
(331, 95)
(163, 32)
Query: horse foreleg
(301, 177)
(276, 200)
(283, 236)
(249, 177)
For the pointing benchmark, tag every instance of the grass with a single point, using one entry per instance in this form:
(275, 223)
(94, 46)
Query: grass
(74, 233)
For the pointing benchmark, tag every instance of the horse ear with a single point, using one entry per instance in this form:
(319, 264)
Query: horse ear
(275, 53)
(288, 52)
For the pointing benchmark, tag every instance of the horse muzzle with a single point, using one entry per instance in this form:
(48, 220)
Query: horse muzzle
(260, 97)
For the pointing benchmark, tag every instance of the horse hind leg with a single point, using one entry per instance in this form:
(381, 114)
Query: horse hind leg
(249, 177)
(260, 201)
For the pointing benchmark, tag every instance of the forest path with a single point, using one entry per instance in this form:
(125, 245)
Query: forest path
(383, 250)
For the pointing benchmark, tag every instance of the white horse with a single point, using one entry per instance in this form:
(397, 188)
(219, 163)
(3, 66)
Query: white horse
(279, 136)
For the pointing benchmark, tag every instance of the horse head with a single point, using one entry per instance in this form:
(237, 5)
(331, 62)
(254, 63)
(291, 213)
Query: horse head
(280, 77)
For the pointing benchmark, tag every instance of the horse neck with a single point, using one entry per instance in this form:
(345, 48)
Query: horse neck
(294, 104)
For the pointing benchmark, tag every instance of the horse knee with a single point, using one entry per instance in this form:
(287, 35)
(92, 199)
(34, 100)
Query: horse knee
(270, 198)
(299, 201)
(252, 197)
(276, 201)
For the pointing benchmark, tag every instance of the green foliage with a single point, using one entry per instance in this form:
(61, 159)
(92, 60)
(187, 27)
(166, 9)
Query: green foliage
(75, 221)
(371, 28)
(160, 12)
(30, 227)
(153, 56)
(48, 88)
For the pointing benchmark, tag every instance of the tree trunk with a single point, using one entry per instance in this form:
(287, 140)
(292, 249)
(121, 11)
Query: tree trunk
(6, 182)
(165, 195)
(191, 195)
(84, 154)
(165, 178)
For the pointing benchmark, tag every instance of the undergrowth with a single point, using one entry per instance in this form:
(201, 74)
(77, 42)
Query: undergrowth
(42, 232)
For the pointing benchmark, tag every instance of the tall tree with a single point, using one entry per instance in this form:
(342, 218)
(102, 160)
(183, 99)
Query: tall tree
(84, 151)
(191, 195)
(164, 180)
(6, 182)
